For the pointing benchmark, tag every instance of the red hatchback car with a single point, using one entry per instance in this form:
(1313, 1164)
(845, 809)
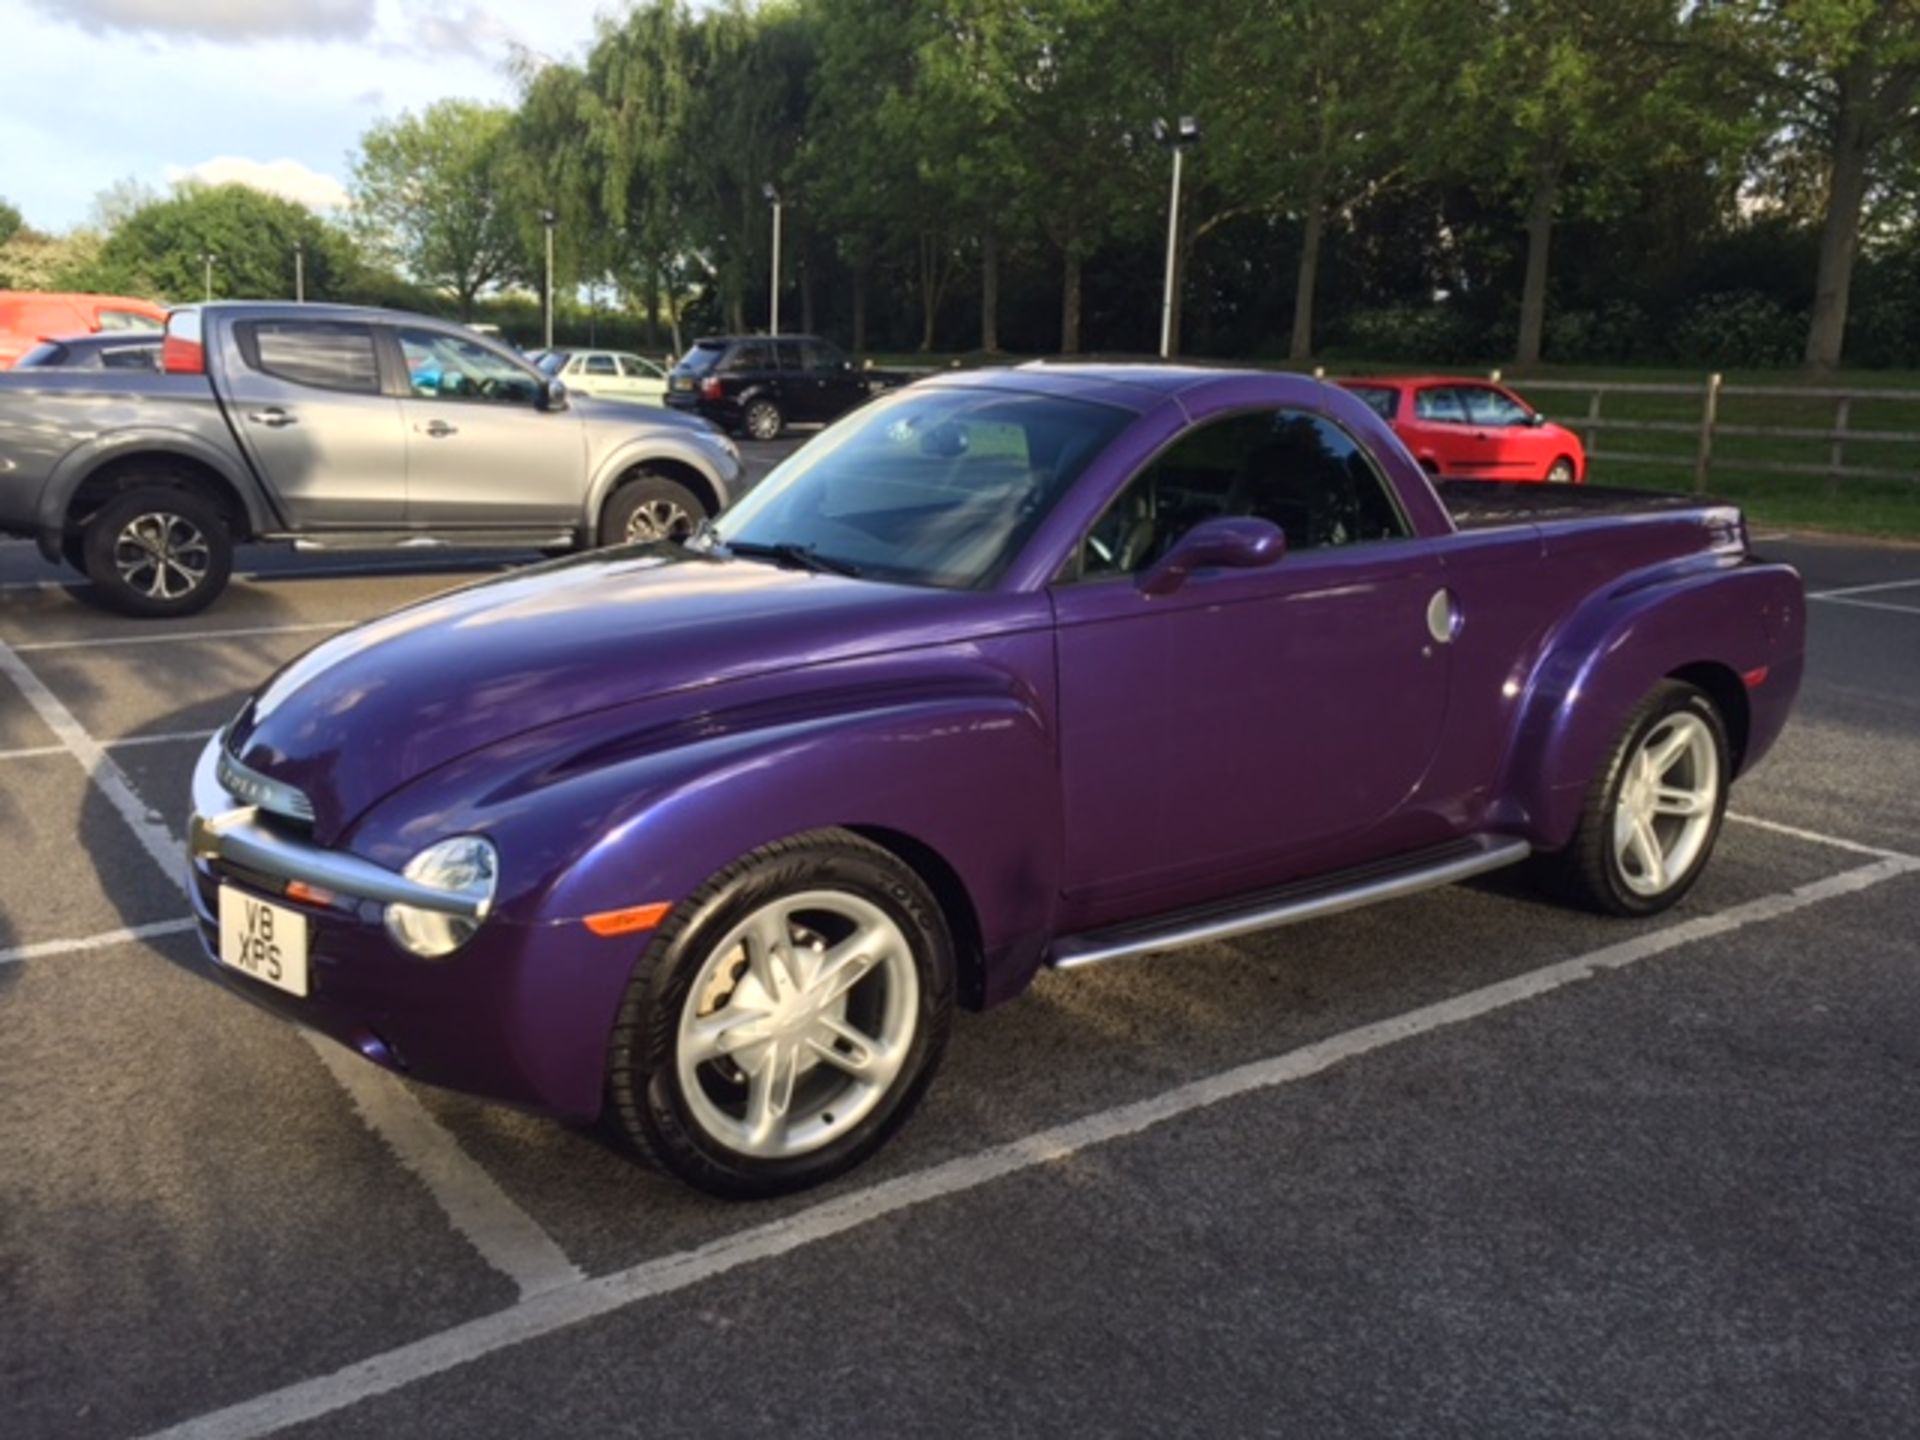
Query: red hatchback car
(1473, 429)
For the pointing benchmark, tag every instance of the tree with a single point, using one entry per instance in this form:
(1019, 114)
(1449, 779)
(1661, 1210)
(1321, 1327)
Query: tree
(429, 197)
(1563, 99)
(1841, 79)
(119, 203)
(162, 248)
(10, 221)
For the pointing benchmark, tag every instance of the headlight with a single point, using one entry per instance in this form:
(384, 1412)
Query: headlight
(465, 865)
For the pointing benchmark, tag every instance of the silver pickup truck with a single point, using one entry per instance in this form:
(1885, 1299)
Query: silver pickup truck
(333, 427)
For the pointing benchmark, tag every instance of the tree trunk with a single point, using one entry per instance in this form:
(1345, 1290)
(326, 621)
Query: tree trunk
(653, 305)
(929, 295)
(1533, 294)
(1309, 276)
(1840, 230)
(860, 309)
(1070, 303)
(804, 266)
(989, 289)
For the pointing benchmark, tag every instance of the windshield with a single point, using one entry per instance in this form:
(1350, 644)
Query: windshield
(1379, 399)
(548, 362)
(703, 356)
(927, 486)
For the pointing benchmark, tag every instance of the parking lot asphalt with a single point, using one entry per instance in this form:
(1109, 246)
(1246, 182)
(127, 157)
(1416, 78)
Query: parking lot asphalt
(1467, 1164)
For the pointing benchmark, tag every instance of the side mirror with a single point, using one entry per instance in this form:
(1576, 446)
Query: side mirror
(1229, 543)
(1536, 419)
(553, 395)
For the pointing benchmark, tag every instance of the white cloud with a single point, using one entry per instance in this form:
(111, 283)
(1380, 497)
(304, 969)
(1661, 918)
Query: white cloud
(288, 179)
(218, 19)
(458, 27)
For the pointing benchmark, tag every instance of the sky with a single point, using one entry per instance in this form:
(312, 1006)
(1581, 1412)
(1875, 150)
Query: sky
(273, 93)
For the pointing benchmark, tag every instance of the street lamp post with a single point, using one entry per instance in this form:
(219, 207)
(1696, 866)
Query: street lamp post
(548, 220)
(1179, 139)
(206, 261)
(773, 196)
(299, 273)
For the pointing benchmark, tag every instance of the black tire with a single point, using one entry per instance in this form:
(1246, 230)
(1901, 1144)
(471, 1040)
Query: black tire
(762, 420)
(184, 575)
(650, 508)
(1561, 472)
(646, 1101)
(1590, 872)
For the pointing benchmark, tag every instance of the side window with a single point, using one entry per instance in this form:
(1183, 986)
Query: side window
(131, 357)
(1377, 398)
(1493, 409)
(790, 357)
(1443, 406)
(445, 367)
(600, 365)
(749, 355)
(323, 354)
(127, 320)
(820, 356)
(1299, 470)
(635, 368)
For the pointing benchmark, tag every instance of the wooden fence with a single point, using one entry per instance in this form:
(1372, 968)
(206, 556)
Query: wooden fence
(1710, 426)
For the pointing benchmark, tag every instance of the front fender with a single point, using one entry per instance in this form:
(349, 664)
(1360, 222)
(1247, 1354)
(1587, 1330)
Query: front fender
(1746, 620)
(721, 475)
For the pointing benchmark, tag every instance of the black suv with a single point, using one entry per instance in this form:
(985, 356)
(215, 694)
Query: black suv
(758, 384)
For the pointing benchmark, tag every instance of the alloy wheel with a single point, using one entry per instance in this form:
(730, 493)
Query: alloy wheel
(1669, 797)
(162, 555)
(659, 520)
(797, 1024)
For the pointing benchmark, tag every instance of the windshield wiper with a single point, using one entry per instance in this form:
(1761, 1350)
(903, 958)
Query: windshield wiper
(800, 557)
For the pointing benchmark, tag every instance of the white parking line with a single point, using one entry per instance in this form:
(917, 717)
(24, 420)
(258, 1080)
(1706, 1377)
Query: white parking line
(103, 941)
(1862, 589)
(167, 637)
(1817, 838)
(1867, 604)
(129, 742)
(590, 1299)
(503, 1233)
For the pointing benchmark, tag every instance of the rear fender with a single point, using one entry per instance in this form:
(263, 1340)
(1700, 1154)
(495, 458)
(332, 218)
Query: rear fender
(140, 443)
(1746, 621)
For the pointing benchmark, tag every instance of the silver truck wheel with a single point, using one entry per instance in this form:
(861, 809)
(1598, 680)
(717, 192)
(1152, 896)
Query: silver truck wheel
(1653, 812)
(785, 1019)
(650, 508)
(157, 551)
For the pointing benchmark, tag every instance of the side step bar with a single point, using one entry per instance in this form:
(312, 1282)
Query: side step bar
(1288, 904)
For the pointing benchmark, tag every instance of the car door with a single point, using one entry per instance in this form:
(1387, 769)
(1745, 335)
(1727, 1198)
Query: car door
(799, 388)
(841, 387)
(601, 376)
(307, 401)
(1253, 724)
(1441, 432)
(643, 381)
(1515, 448)
(481, 451)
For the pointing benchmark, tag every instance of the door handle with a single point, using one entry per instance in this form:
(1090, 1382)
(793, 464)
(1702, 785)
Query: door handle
(437, 429)
(273, 416)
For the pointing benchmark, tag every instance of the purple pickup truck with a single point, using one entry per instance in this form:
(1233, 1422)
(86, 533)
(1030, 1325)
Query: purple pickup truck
(1010, 669)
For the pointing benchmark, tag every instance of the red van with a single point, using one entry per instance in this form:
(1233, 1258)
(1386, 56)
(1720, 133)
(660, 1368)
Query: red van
(29, 316)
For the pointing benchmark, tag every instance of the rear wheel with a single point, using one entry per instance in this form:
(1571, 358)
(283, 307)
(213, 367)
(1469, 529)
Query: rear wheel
(650, 508)
(157, 551)
(763, 420)
(787, 1018)
(1653, 812)
(1561, 472)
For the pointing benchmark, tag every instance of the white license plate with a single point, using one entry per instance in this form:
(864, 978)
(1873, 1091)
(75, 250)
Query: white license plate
(264, 940)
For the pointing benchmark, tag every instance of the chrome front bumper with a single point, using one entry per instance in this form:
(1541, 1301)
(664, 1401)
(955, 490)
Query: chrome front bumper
(218, 831)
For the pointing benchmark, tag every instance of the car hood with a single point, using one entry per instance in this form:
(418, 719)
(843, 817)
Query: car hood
(623, 415)
(374, 708)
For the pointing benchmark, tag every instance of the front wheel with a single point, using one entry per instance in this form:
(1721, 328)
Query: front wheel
(157, 551)
(1653, 813)
(786, 1019)
(650, 508)
(1560, 472)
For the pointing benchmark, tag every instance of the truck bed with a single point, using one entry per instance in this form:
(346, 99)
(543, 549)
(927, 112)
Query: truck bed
(1486, 504)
